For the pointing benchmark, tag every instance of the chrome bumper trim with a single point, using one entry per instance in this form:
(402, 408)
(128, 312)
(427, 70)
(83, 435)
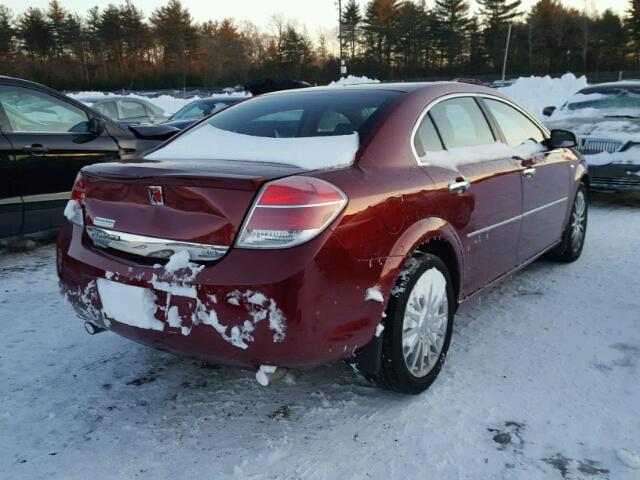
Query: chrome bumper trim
(152, 247)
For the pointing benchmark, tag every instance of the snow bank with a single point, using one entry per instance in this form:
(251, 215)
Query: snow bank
(312, 153)
(353, 80)
(168, 103)
(535, 93)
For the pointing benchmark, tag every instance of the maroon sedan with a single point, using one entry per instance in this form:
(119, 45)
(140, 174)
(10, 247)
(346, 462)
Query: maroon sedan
(307, 226)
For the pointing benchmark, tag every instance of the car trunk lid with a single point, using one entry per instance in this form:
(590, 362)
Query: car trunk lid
(185, 202)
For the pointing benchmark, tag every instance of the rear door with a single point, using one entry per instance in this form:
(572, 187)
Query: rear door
(10, 200)
(545, 177)
(483, 192)
(51, 142)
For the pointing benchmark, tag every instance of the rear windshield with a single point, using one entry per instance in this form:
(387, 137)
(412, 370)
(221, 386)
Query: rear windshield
(311, 130)
(307, 114)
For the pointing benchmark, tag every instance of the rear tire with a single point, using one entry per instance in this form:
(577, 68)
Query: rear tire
(572, 243)
(418, 326)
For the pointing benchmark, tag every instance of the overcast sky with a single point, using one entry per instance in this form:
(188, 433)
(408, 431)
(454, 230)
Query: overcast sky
(314, 14)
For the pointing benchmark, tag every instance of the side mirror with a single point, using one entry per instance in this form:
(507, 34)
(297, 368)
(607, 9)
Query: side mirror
(96, 126)
(548, 111)
(563, 139)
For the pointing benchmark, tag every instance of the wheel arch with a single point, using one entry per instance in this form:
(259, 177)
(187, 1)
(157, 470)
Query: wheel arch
(432, 235)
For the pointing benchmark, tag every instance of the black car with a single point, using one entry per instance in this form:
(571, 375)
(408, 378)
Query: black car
(45, 139)
(194, 111)
(606, 120)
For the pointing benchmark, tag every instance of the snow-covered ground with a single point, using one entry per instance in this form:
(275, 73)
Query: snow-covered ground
(541, 382)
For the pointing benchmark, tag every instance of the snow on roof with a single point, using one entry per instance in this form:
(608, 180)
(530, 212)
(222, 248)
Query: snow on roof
(311, 153)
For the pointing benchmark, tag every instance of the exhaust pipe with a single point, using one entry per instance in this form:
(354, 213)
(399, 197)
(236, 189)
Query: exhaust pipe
(92, 329)
(267, 374)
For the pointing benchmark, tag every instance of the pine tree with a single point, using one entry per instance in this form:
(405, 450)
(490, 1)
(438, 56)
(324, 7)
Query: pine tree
(35, 32)
(57, 16)
(496, 15)
(110, 32)
(378, 30)
(633, 26)
(136, 37)
(295, 53)
(410, 23)
(175, 32)
(351, 19)
(452, 17)
(6, 31)
(607, 37)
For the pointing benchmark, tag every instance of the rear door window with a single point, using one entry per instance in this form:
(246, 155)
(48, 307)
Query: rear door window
(130, 109)
(516, 127)
(427, 138)
(108, 109)
(461, 123)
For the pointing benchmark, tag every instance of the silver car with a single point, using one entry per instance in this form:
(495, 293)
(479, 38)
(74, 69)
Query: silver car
(126, 110)
(606, 120)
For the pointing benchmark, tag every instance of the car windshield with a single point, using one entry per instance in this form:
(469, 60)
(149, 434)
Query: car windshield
(613, 102)
(197, 110)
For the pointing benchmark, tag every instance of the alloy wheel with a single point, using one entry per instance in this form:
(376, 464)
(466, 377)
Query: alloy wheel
(425, 323)
(578, 218)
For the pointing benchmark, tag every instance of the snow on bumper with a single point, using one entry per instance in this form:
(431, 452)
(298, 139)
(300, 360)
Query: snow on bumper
(292, 310)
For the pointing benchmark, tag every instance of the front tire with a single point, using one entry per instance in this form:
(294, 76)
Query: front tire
(572, 242)
(418, 326)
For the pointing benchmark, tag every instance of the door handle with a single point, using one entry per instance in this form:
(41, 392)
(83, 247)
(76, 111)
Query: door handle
(460, 185)
(529, 172)
(36, 149)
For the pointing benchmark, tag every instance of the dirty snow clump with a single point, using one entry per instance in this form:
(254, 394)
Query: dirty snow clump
(374, 294)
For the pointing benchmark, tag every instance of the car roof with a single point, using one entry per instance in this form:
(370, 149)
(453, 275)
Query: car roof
(396, 86)
(424, 91)
(611, 85)
(109, 98)
(403, 87)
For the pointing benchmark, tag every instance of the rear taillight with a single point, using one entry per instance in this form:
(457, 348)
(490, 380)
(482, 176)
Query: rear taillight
(290, 211)
(74, 209)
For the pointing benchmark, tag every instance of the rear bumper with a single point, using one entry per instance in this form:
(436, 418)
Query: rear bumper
(615, 177)
(316, 291)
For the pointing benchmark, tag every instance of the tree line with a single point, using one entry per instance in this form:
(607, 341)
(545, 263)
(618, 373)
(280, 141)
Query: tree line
(118, 47)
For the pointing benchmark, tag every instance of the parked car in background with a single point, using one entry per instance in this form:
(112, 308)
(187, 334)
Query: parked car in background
(302, 227)
(126, 110)
(471, 81)
(268, 85)
(45, 139)
(194, 111)
(606, 120)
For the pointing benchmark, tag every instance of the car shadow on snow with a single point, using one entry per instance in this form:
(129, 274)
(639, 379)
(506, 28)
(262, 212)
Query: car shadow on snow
(615, 200)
